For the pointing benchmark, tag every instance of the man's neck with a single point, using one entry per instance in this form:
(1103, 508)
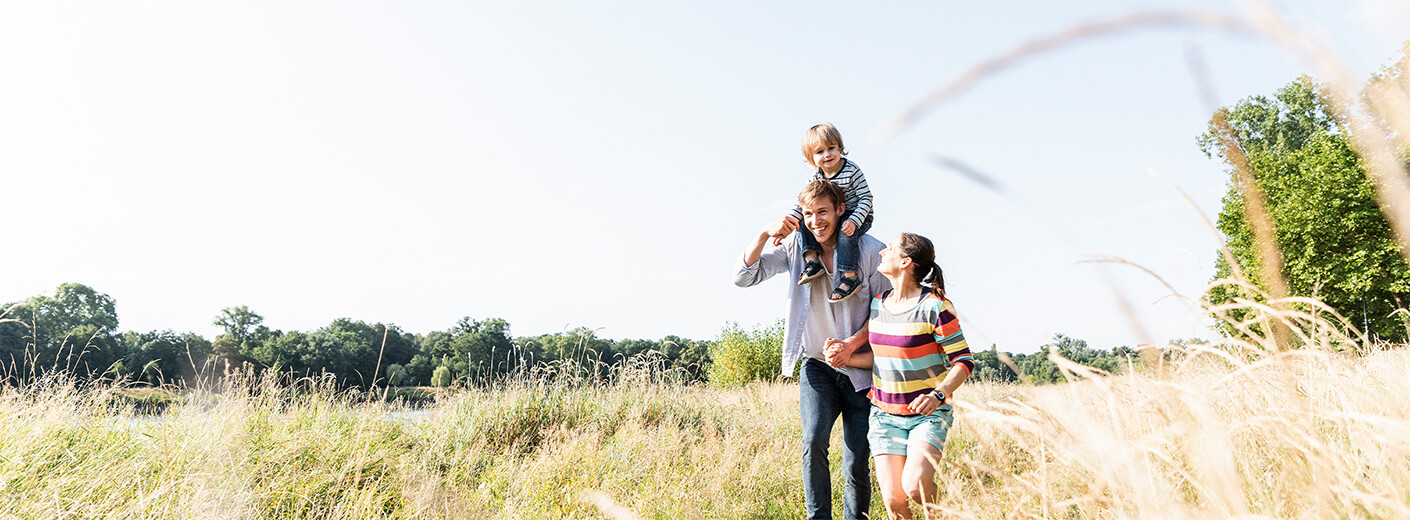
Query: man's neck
(826, 254)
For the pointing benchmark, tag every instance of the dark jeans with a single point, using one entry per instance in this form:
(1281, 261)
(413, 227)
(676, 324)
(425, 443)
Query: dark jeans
(849, 253)
(824, 394)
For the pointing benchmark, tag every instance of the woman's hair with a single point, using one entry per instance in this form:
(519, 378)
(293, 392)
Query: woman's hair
(922, 255)
(821, 136)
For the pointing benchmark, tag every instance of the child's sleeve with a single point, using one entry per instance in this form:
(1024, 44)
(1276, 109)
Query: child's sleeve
(950, 338)
(863, 192)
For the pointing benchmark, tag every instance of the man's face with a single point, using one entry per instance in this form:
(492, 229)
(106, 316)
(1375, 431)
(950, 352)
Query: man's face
(821, 217)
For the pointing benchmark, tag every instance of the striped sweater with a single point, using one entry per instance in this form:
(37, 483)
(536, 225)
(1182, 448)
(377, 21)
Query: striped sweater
(908, 347)
(855, 193)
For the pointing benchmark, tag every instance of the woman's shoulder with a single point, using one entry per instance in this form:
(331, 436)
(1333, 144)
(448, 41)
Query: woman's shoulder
(936, 303)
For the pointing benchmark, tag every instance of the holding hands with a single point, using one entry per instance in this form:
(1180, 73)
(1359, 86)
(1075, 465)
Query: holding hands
(838, 352)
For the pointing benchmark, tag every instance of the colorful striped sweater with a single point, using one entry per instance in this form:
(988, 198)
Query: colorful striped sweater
(907, 348)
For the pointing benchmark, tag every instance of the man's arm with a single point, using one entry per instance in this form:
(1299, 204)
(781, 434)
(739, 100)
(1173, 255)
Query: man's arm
(756, 266)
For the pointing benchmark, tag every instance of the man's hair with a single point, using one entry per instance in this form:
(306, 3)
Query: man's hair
(821, 136)
(819, 189)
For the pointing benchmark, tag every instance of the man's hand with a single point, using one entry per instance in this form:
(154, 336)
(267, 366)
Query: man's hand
(781, 229)
(837, 352)
(849, 227)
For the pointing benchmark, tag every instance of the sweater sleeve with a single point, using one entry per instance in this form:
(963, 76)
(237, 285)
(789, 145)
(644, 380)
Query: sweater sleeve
(863, 193)
(770, 263)
(951, 339)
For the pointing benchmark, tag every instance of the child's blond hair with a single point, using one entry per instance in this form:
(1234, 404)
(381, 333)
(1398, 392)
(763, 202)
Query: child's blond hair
(821, 136)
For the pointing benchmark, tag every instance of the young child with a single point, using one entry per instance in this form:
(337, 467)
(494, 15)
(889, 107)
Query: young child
(823, 151)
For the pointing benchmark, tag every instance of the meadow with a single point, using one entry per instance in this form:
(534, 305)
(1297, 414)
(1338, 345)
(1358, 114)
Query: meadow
(1227, 431)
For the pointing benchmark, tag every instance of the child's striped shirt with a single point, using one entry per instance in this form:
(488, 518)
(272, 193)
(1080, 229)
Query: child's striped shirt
(856, 195)
(907, 348)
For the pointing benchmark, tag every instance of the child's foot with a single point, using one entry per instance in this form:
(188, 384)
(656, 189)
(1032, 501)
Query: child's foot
(846, 288)
(812, 269)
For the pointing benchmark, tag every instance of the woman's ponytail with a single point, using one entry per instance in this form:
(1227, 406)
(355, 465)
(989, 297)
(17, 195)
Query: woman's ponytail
(937, 280)
(922, 254)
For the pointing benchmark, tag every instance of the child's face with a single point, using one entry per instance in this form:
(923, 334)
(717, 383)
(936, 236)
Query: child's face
(828, 158)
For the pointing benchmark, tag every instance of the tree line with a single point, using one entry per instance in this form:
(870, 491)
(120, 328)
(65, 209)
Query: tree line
(75, 332)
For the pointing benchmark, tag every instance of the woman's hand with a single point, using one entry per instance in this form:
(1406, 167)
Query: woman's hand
(925, 404)
(837, 352)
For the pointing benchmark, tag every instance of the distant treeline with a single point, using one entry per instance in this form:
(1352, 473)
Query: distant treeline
(76, 331)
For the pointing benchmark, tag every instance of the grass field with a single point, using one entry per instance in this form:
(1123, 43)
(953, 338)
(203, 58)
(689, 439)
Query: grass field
(1306, 434)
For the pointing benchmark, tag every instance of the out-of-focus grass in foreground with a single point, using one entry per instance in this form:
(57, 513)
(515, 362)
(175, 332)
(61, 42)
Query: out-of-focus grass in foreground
(1310, 433)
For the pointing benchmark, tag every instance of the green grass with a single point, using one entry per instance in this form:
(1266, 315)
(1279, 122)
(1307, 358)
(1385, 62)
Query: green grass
(530, 449)
(1310, 433)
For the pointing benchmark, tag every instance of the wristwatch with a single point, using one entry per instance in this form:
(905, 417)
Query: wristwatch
(938, 394)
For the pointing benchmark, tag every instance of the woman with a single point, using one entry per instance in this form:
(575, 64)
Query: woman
(912, 331)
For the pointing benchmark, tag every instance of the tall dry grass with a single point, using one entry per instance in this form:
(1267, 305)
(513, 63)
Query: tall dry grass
(1233, 430)
(1241, 429)
(1294, 416)
(531, 448)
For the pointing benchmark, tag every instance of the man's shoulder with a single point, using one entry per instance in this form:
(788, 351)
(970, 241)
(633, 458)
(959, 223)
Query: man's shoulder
(870, 244)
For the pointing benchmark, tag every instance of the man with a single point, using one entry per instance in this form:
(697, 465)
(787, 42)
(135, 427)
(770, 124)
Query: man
(824, 392)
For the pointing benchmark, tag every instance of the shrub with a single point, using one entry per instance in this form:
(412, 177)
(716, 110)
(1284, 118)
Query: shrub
(396, 374)
(741, 356)
(441, 377)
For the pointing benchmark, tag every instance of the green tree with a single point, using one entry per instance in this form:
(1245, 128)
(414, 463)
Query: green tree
(75, 330)
(244, 331)
(159, 357)
(1335, 243)
(478, 350)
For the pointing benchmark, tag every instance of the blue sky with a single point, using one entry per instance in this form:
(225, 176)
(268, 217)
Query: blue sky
(578, 164)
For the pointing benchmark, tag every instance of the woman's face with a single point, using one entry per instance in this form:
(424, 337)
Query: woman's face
(892, 261)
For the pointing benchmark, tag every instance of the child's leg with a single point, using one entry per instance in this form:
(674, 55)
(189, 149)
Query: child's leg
(812, 268)
(810, 242)
(848, 257)
(849, 253)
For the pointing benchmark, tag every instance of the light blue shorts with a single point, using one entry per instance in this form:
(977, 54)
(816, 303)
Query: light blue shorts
(890, 434)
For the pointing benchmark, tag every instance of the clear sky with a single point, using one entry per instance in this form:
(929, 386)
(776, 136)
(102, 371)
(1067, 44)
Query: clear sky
(602, 164)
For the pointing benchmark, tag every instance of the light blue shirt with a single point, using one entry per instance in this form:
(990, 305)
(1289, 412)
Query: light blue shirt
(847, 317)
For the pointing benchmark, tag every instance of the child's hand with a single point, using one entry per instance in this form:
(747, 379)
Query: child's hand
(849, 227)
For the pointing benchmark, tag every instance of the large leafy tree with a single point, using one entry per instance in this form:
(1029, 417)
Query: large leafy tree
(75, 330)
(1334, 242)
